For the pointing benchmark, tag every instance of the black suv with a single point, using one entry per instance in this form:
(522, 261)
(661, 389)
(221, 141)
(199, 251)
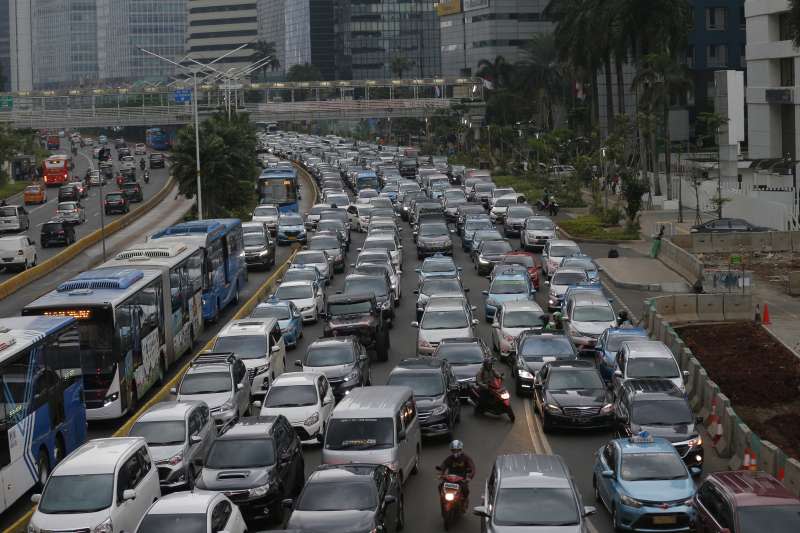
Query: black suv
(343, 360)
(358, 315)
(572, 394)
(57, 232)
(435, 391)
(156, 160)
(660, 408)
(69, 193)
(257, 464)
(116, 202)
(432, 237)
(132, 191)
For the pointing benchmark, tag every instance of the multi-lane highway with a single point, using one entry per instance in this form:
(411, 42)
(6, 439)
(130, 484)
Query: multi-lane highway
(39, 214)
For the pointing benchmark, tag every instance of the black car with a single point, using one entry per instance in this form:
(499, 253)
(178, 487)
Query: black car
(156, 160)
(116, 202)
(488, 254)
(132, 191)
(343, 360)
(57, 232)
(727, 225)
(69, 193)
(465, 356)
(533, 350)
(349, 498)
(379, 285)
(257, 463)
(259, 250)
(408, 167)
(433, 237)
(572, 394)
(660, 408)
(435, 392)
(359, 315)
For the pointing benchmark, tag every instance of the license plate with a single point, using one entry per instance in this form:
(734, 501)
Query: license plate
(451, 486)
(663, 520)
(291, 238)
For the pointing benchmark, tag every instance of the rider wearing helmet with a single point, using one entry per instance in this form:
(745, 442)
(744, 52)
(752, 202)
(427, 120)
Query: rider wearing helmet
(459, 464)
(623, 320)
(486, 374)
(556, 325)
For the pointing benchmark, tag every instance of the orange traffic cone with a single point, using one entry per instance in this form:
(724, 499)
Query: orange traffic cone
(765, 320)
(753, 463)
(781, 473)
(746, 459)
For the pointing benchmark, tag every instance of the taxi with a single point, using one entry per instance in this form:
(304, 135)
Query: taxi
(35, 193)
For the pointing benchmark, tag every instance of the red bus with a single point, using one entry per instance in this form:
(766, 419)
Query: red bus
(53, 142)
(56, 169)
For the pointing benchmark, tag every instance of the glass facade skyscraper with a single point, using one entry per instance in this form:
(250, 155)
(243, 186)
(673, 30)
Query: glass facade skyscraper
(5, 46)
(67, 56)
(370, 33)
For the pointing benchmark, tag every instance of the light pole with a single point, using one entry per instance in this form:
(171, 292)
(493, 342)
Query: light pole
(603, 172)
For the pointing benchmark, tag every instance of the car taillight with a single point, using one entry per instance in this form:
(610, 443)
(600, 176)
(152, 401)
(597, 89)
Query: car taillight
(20, 252)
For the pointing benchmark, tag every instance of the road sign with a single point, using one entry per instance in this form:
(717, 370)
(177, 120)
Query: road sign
(6, 102)
(183, 96)
(736, 259)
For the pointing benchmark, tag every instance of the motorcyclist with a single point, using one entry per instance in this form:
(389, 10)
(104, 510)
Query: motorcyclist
(556, 325)
(485, 376)
(623, 320)
(141, 163)
(459, 464)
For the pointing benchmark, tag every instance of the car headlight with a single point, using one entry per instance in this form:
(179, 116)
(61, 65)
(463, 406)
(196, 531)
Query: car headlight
(442, 409)
(630, 502)
(483, 260)
(524, 374)
(104, 527)
(257, 492)
(263, 252)
(607, 408)
(228, 406)
(175, 459)
(261, 369)
(307, 308)
(311, 420)
(697, 441)
(353, 375)
(552, 408)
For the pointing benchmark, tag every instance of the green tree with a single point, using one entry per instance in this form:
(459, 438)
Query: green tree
(633, 189)
(12, 142)
(399, 64)
(497, 72)
(541, 72)
(228, 168)
(304, 72)
(261, 50)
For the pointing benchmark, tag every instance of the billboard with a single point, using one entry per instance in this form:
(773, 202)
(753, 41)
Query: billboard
(469, 5)
(448, 7)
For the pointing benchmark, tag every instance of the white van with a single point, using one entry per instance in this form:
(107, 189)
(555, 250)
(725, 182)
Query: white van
(377, 425)
(105, 485)
(18, 252)
(258, 342)
(14, 218)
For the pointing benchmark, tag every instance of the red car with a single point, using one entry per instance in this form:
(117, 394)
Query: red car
(745, 502)
(526, 259)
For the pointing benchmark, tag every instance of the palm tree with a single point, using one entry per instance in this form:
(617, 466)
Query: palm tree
(541, 71)
(262, 49)
(399, 65)
(304, 72)
(497, 72)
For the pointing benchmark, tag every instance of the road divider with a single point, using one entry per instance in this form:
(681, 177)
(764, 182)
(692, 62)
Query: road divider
(30, 275)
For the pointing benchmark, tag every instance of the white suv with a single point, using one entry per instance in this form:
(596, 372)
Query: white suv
(305, 399)
(17, 252)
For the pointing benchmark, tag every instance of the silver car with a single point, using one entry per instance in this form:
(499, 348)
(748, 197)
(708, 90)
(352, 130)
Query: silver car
(561, 280)
(537, 232)
(267, 214)
(511, 319)
(319, 259)
(556, 250)
(444, 318)
(306, 295)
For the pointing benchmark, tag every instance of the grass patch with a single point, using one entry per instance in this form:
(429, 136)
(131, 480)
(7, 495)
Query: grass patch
(8, 190)
(522, 185)
(590, 227)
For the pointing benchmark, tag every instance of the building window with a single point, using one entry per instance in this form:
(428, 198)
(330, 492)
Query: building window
(716, 55)
(787, 72)
(742, 19)
(784, 27)
(690, 56)
(716, 18)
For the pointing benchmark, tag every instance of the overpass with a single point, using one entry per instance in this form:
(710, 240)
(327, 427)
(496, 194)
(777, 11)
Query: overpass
(154, 105)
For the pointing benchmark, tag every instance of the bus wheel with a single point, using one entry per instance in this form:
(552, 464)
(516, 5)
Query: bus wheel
(43, 465)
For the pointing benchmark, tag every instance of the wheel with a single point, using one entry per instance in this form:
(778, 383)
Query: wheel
(415, 468)
(34, 260)
(596, 489)
(401, 514)
(43, 466)
(615, 520)
(236, 295)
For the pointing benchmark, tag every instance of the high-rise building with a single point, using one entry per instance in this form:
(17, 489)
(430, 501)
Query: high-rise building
(21, 44)
(272, 29)
(370, 34)
(5, 45)
(473, 30)
(219, 26)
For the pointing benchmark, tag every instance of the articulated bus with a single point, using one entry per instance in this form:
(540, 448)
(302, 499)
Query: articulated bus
(43, 417)
(224, 269)
(55, 170)
(279, 187)
(181, 268)
(121, 316)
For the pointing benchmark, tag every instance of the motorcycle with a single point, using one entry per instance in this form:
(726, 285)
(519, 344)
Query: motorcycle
(496, 400)
(147, 176)
(451, 497)
(141, 164)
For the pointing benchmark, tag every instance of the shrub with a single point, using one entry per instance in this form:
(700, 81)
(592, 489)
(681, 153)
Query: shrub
(591, 227)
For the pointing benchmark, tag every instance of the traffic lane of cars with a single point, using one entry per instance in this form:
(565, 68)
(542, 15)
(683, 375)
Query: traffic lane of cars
(39, 214)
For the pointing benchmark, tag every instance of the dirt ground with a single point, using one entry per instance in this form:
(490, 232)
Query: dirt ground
(759, 375)
(772, 268)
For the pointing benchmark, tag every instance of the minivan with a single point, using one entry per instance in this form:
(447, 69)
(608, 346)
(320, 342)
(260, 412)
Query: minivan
(376, 425)
(14, 218)
(105, 485)
(258, 342)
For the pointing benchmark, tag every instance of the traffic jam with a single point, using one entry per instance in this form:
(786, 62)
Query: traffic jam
(431, 337)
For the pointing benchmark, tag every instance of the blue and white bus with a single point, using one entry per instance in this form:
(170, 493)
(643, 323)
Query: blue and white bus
(224, 268)
(367, 179)
(43, 415)
(279, 187)
(158, 139)
(121, 317)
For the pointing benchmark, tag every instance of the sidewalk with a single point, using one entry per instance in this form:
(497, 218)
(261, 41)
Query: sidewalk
(642, 273)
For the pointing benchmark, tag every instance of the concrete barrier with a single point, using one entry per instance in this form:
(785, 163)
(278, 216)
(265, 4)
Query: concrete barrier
(737, 306)
(683, 241)
(791, 476)
(694, 384)
(710, 392)
(683, 358)
(795, 238)
(663, 329)
(727, 420)
(665, 305)
(681, 261)
(685, 308)
(741, 442)
(710, 308)
(793, 286)
(702, 243)
(768, 457)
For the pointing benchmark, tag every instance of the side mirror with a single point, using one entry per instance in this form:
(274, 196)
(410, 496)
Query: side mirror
(195, 439)
(466, 289)
(129, 494)
(358, 249)
(239, 386)
(173, 391)
(589, 511)
(480, 511)
(298, 363)
(438, 468)
(695, 471)
(36, 498)
(546, 282)
(617, 373)
(415, 324)
(609, 474)
(363, 357)
(473, 307)
(495, 325)
(257, 404)
(698, 420)
(418, 270)
(460, 269)
(287, 503)
(685, 375)
(275, 349)
(485, 293)
(416, 291)
(474, 321)
(389, 499)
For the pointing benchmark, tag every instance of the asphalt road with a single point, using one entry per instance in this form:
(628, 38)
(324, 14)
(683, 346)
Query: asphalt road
(39, 214)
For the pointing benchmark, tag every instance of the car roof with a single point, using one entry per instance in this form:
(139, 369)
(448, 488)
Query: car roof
(646, 348)
(653, 389)
(248, 326)
(630, 445)
(98, 456)
(523, 470)
(251, 426)
(376, 400)
(521, 305)
(582, 299)
(291, 379)
(332, 341)
(751, 489)
(297, 283)
(446, 303)
(169, 410)
(343, 472)
(637, 332)
(569, 270)
(562, 242)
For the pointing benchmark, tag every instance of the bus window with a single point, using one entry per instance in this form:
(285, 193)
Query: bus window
(14, 380)
(63, 354)
(195, 269)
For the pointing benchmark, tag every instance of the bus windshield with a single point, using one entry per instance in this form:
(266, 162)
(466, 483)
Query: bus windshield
(277, 190)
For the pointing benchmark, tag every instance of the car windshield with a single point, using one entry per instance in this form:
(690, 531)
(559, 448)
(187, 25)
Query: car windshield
(83, 493)
(441, 286)
(535, 507)
(455, 319)
(522, 319)
(652, 466)
(505, 202)
(568, 278)
(206, 383)
(243, 346)
(291, 396)
(160, 433)
(310, 258)
(524, 260)
(496, 247)
(365, 284)
(294, 292)
(438, 266)
(240, 453)
(661, 413)
(484, 187)
(350, 308)
(291, 220)
(67, 206)
(535, 348)
(329, 355)
(330, 225)
(519, 212)
(541, 224)
(379, 244)
(563, 251)
(508, 286)
(772, 518)
(254, 239)
(182, 522)
(461, 353)
(359, 434)
(593, 313)
(358, 496)
(652, 367)
(575, 379)
(615, 341)
(422, 383)
(279, 312)
(433, 230)
(324, 243)
(475, 225)
(265, 212)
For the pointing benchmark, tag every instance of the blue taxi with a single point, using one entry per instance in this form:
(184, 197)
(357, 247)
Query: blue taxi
(288, 316)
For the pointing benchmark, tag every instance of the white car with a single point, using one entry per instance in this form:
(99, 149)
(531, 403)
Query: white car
(537, 232)
(17, 251)
(306, 295)
(554, 251)
(140, 149)
(511, 319)
(267, 215)
(197, 511)
(259, 344)
(385, 242)
(305, 399)
(444, 318)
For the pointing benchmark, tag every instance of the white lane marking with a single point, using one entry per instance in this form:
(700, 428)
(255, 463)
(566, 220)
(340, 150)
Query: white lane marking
(619, 300)
(531, 425)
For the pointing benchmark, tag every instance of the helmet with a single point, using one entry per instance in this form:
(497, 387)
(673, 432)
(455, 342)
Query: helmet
(623, 315)
(456, 446)
(557, 315)
(488, 362)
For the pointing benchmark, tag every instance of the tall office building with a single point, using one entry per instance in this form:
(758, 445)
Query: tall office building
(219, 26)
(370, 34)
(272, 28)
(21, 44)
(472, 30)
(5, 45)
